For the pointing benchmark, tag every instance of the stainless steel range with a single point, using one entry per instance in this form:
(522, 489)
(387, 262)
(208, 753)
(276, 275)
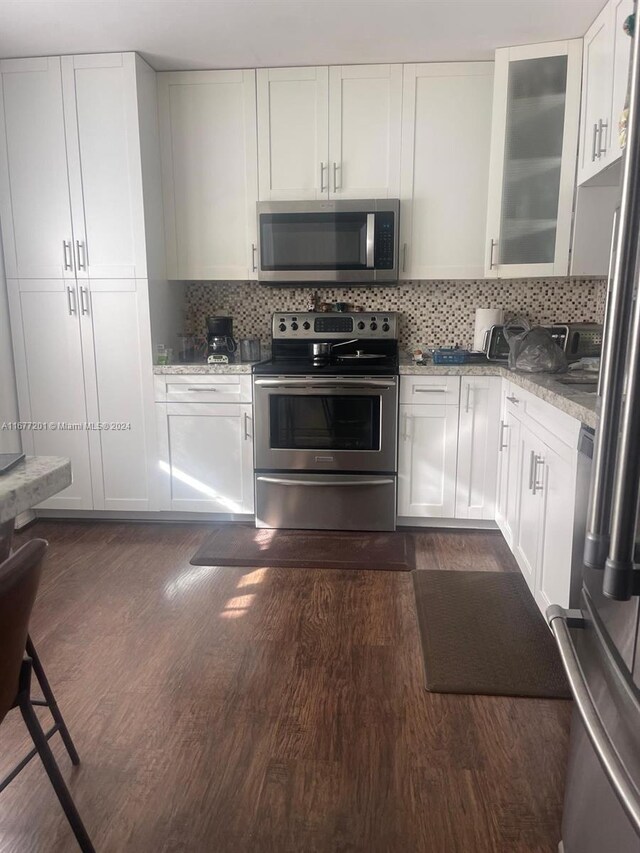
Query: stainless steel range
(326, 415)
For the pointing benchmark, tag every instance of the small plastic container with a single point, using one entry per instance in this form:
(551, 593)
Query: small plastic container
(451, 355)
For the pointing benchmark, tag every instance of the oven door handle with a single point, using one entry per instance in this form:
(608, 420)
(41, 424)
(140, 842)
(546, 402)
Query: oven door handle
(343, 384)
(282, 481)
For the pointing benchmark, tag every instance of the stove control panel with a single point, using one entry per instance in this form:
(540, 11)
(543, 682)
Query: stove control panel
(334, 326)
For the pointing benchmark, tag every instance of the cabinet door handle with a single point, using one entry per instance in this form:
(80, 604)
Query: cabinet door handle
(502, 446)
(335, 178)
(467, 405)
(406, 435)
(536, 486)
(247, 433)
(81, 255)
(254, 249)
(71, 300)
(602, 126)
(84, 300)
(323, 166)
(404, 257)
(531, 463)
(492, 246)
(594, 143)
(68, 254)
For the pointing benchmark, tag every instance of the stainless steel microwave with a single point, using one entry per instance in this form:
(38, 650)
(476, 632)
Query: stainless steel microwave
(354, 242)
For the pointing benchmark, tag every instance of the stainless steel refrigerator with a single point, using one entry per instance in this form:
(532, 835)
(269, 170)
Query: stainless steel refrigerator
(600, 642)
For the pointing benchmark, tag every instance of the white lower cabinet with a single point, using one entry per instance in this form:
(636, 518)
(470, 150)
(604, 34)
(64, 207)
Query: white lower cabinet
(477, 447)
(508, 479)
(537, 493)
(427, 460)
(83, 368)
(206, 448)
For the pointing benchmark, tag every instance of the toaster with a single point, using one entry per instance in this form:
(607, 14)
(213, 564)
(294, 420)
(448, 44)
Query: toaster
(578, 340)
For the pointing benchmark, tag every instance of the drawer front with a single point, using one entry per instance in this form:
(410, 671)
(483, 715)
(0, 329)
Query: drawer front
(554, 427)
(202, 388)
(429, 390)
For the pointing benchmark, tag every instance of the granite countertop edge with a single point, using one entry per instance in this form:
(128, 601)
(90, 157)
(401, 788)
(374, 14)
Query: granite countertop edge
(568, 399)
(32, 481)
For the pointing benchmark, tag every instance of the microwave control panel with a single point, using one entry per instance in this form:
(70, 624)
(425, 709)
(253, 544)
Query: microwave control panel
(338, 326)
(384, 240)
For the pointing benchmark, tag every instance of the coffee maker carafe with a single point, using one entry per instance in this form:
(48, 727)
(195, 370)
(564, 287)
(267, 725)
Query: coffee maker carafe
(220, 343)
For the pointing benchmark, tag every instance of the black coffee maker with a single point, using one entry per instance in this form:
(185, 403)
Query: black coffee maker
(220, 343)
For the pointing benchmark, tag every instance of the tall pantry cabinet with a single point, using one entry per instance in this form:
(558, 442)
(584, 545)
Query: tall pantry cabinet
(80, 242)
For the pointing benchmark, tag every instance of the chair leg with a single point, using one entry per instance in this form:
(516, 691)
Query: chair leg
(53, 771)
(50, 699)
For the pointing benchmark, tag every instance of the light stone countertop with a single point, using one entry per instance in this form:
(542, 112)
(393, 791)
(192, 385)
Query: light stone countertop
(200, 368)
(571, 399)
(30, 482)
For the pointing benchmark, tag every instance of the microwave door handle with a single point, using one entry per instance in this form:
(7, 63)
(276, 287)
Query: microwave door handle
(371, 222)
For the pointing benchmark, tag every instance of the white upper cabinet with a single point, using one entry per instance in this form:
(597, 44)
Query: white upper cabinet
(605, 73)
(329, 132)
(595, 128)
(536, 105)
(209, 173)
(34, 186)
(104, 165)
(365, 106)
(293, 133)
(70, 168)
(446, 132)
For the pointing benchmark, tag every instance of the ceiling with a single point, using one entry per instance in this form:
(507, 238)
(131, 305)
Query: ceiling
(181, 34)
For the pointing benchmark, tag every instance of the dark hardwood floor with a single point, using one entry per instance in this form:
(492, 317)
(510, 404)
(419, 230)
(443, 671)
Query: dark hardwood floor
(280, 710)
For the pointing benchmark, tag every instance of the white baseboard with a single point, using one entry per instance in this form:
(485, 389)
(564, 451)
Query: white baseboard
(113, 515)
(449, 523)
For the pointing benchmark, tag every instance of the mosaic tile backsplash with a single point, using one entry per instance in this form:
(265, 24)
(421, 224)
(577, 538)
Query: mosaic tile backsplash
(432, 313)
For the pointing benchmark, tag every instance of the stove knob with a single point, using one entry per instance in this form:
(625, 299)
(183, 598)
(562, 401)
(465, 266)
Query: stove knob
(373, 327)
(282, 327)
(385, 327)
(294, 327)
(306, 325)
(361, 325)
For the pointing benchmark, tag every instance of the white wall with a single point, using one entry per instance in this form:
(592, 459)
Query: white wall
(9, 439)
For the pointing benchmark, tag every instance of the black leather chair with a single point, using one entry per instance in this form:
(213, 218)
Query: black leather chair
(19, 579)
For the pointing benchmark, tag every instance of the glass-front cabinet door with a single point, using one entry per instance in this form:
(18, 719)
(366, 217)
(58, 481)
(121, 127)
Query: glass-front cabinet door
(536, 106)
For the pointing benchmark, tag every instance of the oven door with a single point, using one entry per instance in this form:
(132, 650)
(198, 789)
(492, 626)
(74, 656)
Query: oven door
(350, 241)
(328, 424)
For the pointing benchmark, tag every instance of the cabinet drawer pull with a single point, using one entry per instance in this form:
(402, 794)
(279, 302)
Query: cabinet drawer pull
(513, 400)
(429, 390)
(502, 446)
(202, 388)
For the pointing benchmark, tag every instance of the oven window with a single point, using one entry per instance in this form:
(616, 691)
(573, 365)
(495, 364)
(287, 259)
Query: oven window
(339, 422)
(313, 241)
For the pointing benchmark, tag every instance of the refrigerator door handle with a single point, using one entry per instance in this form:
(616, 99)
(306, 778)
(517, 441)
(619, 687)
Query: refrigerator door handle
(560, 620)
